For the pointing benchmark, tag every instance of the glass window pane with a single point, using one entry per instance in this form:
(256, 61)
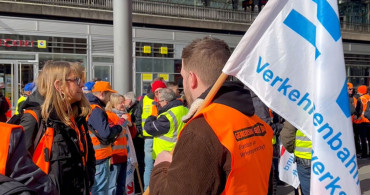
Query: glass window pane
(102, 73)
(138, 84)
(43, 58)
(144, 65)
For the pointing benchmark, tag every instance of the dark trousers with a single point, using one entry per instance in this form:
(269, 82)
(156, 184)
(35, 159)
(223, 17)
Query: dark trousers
(357, 138)
(364, 131)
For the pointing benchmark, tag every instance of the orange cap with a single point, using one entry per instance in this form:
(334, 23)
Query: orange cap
(102, 86)
(349, 85)
(362, 89)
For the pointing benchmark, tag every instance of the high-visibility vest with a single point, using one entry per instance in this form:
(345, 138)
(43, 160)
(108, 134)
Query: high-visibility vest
(20, 100)
(248, 139)
(303, 146)
(362, 119)
(101, 151)
(41, 155)
(6, 131)
(167, 141)
(147, 111)
(119, 147)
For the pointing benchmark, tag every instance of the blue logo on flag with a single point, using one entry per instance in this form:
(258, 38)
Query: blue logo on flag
(302, 26)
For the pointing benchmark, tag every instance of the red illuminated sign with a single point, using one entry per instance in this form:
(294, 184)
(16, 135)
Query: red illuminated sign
(17, 43)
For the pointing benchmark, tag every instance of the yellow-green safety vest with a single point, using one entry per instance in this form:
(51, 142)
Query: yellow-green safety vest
(168, 140)
(20, 100)
(147, 111)
(303, 146)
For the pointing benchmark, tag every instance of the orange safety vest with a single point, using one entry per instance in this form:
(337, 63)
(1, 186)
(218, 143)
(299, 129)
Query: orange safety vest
(6, 131)
(119, 147)
(364, 99)
(248, 139)
(41, 155)
(101, 151)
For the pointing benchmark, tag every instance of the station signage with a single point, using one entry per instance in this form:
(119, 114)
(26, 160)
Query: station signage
(22, 43)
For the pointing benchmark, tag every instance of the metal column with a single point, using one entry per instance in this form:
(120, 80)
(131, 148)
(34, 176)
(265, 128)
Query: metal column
(122, 26)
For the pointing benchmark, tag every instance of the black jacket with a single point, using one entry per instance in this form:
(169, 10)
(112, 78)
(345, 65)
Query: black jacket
(160, 126)
(34, 102)
(66, 166)
(20, 167)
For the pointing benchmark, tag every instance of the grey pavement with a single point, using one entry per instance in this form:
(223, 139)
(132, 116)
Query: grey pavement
(364, 174)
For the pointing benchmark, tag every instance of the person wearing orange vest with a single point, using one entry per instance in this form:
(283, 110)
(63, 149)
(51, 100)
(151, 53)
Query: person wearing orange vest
(63, 148)
(226, 148)
(362, 122)
(102, 135)
(117, 115)
(356, 111)
(15, 162)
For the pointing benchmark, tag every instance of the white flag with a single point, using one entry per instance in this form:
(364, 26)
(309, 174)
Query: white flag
(131, 161)
(288, 168)
(292, 58)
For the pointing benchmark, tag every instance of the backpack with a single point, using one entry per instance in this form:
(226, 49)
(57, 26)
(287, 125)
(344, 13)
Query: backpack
(13, 187)
(42, 138)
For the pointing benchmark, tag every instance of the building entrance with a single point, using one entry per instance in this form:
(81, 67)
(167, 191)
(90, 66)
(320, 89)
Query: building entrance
(14, 75)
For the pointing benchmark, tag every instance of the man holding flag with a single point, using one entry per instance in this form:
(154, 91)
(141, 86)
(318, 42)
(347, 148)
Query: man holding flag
(224, 147)
(290, 57)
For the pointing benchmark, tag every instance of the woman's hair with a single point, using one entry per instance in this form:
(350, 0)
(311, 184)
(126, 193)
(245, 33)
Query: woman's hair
(58, 101)
(113, 101)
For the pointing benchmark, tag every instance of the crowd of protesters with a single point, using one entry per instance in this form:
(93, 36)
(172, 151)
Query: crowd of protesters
(76, 135)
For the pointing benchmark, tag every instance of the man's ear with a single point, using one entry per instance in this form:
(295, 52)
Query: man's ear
(193, 80)
(57, 85)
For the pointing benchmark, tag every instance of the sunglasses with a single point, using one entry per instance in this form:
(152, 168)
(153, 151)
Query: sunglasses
(76, 80)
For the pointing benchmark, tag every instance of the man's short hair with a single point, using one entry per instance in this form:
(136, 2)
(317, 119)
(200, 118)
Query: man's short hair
(206, 57)
(166, 94)
(171, 84)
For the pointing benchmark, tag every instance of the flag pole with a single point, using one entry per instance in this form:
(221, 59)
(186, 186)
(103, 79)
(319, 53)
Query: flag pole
(221, 79)
(139, 178)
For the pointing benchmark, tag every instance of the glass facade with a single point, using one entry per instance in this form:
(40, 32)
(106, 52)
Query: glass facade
(155, 60)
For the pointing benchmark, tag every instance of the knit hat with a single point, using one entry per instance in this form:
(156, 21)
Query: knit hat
(89, 85)
(102, 86)
(349, 85)
(158, 84)
(362, 89)
(29, 86)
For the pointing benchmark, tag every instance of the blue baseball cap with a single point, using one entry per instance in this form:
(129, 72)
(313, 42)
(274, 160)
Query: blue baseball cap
(89, 85)
(29, 86)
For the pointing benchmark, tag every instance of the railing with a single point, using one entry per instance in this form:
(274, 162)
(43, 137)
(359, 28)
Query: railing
(193, 12)
(355, 27)
(174, 10)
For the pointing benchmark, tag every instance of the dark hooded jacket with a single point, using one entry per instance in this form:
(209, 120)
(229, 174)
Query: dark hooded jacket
(66, 167)
(200, 163)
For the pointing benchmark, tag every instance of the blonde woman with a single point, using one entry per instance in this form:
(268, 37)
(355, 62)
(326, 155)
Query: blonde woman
(70, 160)
(117, 115)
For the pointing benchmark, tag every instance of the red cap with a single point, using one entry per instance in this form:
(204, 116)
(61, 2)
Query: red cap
(349, 85)
(158, 84)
